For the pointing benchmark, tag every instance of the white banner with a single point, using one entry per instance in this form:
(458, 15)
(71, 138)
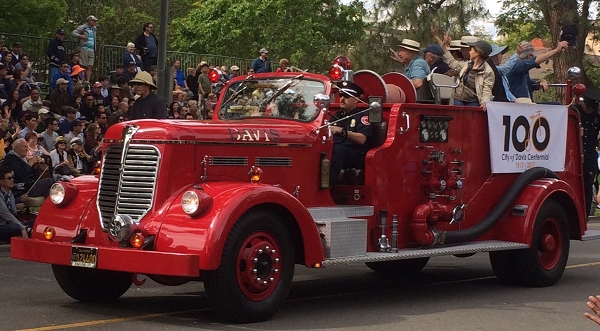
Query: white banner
(524, 136)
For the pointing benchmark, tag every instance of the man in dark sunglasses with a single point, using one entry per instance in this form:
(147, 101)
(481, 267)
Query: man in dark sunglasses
(10, 226)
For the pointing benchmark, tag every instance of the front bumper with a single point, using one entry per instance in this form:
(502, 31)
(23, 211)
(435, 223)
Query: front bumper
(109, 258)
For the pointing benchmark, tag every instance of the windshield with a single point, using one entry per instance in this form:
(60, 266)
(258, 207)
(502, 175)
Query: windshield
(286, 97)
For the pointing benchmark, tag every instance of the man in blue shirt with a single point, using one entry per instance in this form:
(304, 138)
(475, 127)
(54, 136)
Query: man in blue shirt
(415, 68)
(518, 75)
(87, 34)
(262, 64)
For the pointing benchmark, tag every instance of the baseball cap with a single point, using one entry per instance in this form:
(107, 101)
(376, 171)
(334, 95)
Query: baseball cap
(434, 49)
(60, 31)
(43, 110)
(97, 84)
(569, 34)
(61, 81)
(76, 140)
(233, 68)
(92, 17)
(264, 50)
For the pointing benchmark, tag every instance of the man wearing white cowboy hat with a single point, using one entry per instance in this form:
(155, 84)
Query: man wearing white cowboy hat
(148, 104)
(415, 67)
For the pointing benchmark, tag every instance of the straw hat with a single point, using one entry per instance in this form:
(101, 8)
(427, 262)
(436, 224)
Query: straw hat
(411, 45)
(464, 40)
(143, 77)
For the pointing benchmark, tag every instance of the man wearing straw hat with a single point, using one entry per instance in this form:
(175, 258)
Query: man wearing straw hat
(148, 104)
(415, 68)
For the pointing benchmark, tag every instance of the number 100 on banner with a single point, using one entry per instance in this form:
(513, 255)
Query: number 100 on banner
(524, 136)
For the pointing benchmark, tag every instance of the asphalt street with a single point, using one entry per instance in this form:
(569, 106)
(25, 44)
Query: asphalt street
(449, 294)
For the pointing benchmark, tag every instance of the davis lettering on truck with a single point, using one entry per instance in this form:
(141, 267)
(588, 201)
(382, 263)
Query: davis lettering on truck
(238, 202)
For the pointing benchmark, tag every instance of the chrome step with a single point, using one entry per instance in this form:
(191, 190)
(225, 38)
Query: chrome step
(591, 235)
(339, 212)
(415, 253)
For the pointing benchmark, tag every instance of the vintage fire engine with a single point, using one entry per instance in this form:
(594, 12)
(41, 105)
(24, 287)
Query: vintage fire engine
(238, 201)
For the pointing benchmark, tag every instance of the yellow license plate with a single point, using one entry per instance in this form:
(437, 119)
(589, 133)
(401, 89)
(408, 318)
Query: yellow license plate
(85, 257)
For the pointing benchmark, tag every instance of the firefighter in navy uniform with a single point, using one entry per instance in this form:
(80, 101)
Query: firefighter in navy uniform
(590, 126)
(352, 135)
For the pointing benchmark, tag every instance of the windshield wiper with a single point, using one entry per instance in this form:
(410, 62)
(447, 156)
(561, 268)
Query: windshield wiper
(238, 91)
(281, 90)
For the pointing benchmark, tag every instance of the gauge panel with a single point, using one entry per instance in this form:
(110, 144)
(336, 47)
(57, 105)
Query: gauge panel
(434, 129)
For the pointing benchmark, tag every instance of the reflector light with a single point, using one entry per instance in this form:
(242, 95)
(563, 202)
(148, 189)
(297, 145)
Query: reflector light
(336, 73)
(137, 240)
(343, 62)
(49, 233)
(213, 76)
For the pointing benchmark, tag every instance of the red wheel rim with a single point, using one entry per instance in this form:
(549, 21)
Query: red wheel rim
(550, 243)
(258, 266)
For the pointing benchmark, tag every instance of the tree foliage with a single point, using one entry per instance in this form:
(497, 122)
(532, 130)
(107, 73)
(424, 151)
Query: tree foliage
(309, 33)
(417, 16)
(31, 17)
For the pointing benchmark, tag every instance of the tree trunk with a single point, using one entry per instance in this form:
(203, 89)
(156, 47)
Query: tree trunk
(558, 14)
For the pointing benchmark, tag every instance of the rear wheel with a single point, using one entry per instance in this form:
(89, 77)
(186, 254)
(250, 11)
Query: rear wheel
(406, 267)
(256, 269)
(544, 262)
(92, 285)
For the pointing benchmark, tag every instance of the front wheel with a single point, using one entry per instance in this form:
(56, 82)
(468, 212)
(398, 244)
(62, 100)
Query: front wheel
(92, 285)
(256, 269)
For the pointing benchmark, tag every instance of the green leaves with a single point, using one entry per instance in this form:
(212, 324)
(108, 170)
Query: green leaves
(309, 33)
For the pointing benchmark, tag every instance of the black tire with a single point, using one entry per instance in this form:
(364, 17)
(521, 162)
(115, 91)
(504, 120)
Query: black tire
(405, 267)
(544, 262)
(245, 290)
(92, 285)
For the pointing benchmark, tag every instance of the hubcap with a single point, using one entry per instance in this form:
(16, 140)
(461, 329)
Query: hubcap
(258, 266)
(550, 243)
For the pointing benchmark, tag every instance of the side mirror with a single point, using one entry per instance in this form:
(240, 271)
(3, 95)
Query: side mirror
(321, 101)
(574, 73)
(375, 109)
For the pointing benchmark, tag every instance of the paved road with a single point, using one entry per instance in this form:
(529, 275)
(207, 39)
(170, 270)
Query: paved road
(450, 294)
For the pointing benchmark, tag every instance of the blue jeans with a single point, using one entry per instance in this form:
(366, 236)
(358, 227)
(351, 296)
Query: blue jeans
(8, 231)
(469, 104)
(51, 71)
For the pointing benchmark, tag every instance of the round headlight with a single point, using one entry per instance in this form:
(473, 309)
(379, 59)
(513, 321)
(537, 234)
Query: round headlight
(57, 193)
(190, 202)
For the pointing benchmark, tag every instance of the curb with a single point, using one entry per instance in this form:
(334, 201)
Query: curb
(594, 219)
(5, 248)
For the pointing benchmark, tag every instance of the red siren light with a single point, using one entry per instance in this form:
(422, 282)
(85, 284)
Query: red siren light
(343, 61)
(579, 89)
(336, 73)
(213, 76)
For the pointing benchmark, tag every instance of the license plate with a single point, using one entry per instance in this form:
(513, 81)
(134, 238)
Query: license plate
(85, 257)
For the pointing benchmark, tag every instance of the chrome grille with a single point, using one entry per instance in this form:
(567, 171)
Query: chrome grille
(274, 161)
(128, 189)
(228, 161)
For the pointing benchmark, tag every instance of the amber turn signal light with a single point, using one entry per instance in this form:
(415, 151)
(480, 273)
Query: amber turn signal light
(137, 240)
(49, 233)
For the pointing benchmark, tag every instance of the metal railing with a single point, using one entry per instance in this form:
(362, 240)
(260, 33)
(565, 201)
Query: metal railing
(108, 56)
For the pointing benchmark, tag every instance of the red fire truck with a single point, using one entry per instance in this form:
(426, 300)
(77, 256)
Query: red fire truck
(238, 201)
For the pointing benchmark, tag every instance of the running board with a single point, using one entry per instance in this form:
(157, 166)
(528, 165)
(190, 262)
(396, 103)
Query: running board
(415, 253)
(591, 235)
(339, 212)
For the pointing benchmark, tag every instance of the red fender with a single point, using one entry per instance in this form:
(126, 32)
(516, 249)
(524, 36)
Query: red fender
(205, 234)
(519, 228)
